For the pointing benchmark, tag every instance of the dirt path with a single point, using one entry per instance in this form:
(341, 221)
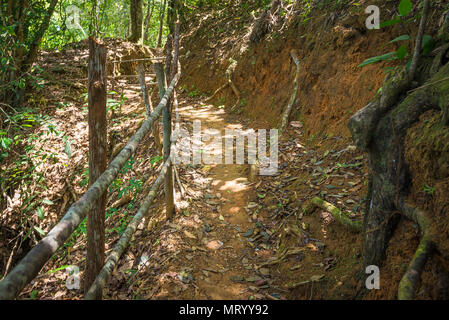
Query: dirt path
(230, 187)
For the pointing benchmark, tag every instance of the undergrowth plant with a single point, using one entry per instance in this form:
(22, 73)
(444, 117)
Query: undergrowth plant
(404, 9)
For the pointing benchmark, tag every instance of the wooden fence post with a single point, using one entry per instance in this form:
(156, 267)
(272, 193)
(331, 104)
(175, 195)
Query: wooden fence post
(174, 70)
(97, 159)
(166, 113)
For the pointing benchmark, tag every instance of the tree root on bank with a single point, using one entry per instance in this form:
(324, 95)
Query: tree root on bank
(229, 72)
(292, 101)
(217, 91)
(410, 281)
(380, 129)
(282, 257)
(354, 226)
(236, 92)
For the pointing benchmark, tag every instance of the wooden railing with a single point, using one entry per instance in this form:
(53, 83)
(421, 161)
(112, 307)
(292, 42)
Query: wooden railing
(28, 268)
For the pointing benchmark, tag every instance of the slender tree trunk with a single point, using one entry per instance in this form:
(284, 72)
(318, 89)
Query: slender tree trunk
(97, 158)
(150, 11)
(171, 15)
(26, 63)
(136, 21)
(418, 44)
(161, 24)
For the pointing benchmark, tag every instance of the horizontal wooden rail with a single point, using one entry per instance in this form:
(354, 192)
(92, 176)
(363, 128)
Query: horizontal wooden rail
(102, 278)
(29, 267)
(141, 59)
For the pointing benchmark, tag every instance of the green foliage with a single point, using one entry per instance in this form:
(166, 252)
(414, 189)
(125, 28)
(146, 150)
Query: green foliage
(155, 160)
(405, 6)
(404, 9)
(112, 18)
(194, 92)
(20, 34)
(428, 189)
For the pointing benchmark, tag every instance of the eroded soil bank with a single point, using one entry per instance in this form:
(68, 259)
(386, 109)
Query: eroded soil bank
(233, 238)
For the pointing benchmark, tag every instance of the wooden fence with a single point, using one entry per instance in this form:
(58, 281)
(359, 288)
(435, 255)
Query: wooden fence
(28, 268)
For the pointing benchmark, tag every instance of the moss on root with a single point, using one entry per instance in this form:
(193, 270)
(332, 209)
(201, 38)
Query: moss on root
(354, 226)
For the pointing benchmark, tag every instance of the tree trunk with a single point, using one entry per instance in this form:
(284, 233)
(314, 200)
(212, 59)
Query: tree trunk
(136, 21)
(379, 128)
(174, 71)
(27, 62)
(171, 15)
(150, 11)
(97, 158)
(161, 24)
(122, 244)
(418, 44)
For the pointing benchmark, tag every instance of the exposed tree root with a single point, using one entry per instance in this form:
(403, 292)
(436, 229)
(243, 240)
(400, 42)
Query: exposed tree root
(229, 72)
(217, 91)
(379, 129)
(290, 104)
(337, 214)
(282, 257)
(410, 280)
(236, 92)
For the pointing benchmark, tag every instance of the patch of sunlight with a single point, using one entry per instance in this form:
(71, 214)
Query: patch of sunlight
(233, 186)
(234, 210)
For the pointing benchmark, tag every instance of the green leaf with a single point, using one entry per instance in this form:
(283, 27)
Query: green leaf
(33, 294)
(402, 52)
(408, 64)
(390, 22)
(385, 57)
(40, 212)
(5, 142)
(41, 232)
(400, 38)
(58, 269)
(68, 149)
(47, 201)
(427, 44)
(405, 6)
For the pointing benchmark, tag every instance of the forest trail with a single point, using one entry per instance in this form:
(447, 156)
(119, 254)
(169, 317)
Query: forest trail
(222, 266)
(362, 176)
(212, 248)
(230, 236)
